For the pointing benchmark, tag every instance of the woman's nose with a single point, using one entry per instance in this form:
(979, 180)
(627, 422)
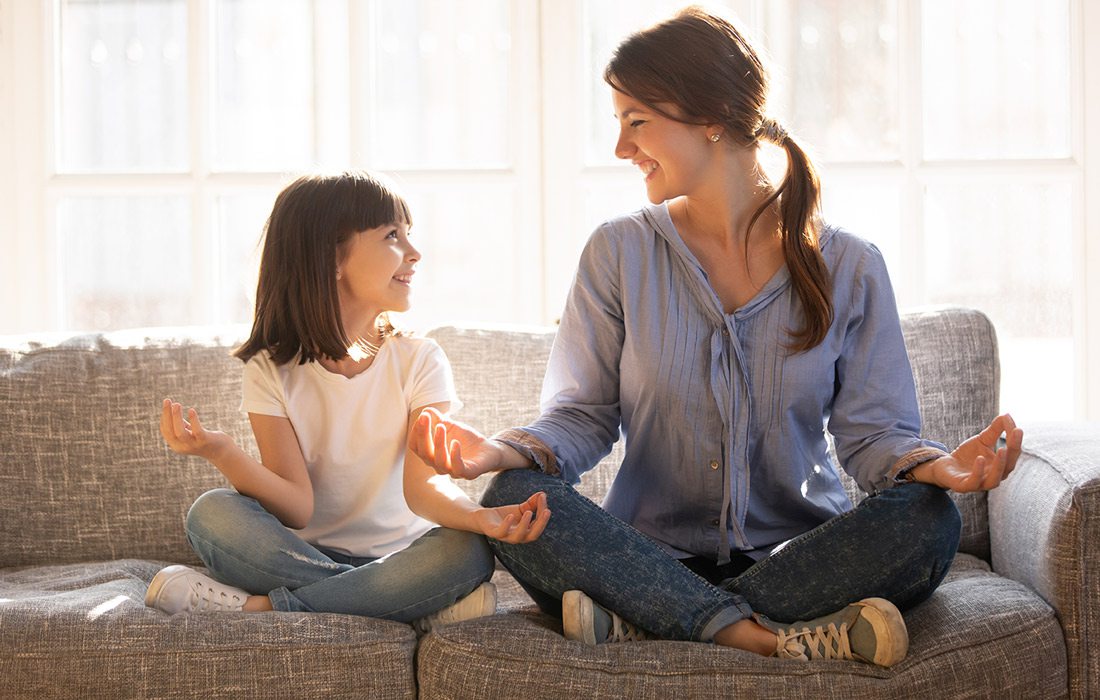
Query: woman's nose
(624, 147)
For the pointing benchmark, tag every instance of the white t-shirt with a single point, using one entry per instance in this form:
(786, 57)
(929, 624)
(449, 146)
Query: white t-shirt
(353, 434)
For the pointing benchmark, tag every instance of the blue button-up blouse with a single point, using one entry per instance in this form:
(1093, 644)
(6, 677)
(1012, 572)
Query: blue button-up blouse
(725, 427)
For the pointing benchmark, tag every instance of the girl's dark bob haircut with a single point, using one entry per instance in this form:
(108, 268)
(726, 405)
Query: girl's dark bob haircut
(297, 305)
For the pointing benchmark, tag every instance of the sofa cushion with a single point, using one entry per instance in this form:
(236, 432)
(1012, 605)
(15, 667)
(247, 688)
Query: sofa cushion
(82, 630)
(83, 469)
(973, 634)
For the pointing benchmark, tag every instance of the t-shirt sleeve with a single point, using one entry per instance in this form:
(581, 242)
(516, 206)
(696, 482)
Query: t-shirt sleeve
(431, 380)
(262, 389)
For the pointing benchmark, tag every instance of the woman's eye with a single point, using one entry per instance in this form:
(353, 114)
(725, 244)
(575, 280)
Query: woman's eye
(636, 123)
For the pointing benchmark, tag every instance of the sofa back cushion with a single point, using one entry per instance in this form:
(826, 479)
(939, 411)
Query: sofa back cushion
(84, 473)
(953, 353)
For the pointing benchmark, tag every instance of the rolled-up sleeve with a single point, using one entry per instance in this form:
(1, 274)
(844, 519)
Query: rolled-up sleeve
(875, 417)
(580, 396)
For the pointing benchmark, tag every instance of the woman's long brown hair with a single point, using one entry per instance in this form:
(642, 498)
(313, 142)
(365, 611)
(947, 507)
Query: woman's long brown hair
(297, 305)
(705, 67)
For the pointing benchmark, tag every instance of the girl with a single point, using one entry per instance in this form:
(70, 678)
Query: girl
(722, 328)
(335, 515)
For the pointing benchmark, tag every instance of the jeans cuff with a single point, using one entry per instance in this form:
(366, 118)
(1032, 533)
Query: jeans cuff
(735, 612)
(282, 600)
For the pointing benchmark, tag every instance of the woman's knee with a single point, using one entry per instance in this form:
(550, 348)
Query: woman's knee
(467, 550)
(513, 486)
(935, 512)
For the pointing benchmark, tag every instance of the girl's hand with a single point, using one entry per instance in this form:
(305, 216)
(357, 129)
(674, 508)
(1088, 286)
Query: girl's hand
(518, 524)
(188, 437)
(977, 464)
(453, 448)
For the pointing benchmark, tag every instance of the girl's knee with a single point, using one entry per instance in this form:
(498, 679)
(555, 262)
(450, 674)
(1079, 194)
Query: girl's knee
(212, 511)
(470, 551)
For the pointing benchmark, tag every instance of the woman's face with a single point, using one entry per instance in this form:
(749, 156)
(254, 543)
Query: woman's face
(672, 156)
(376, 268)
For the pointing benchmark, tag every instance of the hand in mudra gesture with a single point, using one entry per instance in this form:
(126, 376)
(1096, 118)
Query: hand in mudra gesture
(977, 464)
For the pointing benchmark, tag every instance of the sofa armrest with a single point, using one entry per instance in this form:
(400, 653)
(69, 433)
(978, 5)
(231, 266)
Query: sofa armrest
(1044, 528)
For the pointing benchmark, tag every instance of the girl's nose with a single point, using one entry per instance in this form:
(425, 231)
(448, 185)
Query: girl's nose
(412, 254)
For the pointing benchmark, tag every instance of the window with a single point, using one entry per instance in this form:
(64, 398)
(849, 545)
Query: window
(147, 140)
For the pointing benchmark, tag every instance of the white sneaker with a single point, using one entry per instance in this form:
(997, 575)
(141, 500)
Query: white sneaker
(480, 602)
(178, 589)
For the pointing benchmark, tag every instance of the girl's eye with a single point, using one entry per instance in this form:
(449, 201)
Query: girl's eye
(636, 123)
(392, 234)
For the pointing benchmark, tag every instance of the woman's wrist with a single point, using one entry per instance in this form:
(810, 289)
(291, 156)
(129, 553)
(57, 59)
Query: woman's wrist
(925, 472)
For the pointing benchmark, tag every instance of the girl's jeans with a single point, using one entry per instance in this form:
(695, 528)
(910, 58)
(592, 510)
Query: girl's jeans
(245, 546)
(896, 545)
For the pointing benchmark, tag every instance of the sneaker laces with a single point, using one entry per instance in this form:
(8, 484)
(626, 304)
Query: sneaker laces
(623, 631)
(827, 642)
(207, 598)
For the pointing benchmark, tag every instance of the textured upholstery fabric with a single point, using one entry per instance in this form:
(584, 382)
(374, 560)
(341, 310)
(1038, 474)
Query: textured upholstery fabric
(86, 475)
(86, 478)
(82, 630)
(966, 641)
(93, 504)
(1044, 525)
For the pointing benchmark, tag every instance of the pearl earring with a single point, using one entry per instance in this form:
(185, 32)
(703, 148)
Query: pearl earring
(714, 138)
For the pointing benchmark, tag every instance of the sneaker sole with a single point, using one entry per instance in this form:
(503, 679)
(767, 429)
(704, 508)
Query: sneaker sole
(576, 606)
(890, 634)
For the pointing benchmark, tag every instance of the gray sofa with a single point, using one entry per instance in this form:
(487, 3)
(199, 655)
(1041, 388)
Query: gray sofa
(93, 505)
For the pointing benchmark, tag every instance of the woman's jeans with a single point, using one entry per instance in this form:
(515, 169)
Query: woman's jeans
(896, 545)
(245, 546)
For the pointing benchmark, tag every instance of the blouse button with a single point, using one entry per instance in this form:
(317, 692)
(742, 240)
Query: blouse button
(714, 522)
(714, 464)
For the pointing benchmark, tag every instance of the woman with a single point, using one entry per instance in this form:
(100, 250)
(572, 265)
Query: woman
(720, 329)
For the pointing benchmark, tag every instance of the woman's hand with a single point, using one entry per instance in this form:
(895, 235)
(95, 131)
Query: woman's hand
(454, 448)
(515, 524)
(977, 464)
(188, 437)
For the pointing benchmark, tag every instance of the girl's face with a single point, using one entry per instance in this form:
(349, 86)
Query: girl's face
(672, 156)
(375, 271)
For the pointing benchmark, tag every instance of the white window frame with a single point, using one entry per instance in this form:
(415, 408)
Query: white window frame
(567, 176)
(549, 176)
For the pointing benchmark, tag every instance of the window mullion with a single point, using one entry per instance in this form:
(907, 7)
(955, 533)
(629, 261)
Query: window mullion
(205, 244)
(1087, 82)
(911, 226)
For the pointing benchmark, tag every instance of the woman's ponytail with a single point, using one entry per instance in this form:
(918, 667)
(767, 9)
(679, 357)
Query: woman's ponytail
(799, 198)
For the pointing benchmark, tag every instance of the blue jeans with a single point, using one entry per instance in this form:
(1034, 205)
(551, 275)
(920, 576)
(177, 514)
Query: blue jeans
(896, 545)
(245, 546)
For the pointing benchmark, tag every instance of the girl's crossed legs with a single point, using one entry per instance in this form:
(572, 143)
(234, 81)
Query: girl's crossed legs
(245, 546)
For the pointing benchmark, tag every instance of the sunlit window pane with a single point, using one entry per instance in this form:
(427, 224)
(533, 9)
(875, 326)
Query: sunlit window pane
(125, 262)
(123, 86)
(838, 75)
(240, 224)
(484, 272)
(440, 75)
(1006, 250)
(996, 79)
(263, 85)
(870, 210)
